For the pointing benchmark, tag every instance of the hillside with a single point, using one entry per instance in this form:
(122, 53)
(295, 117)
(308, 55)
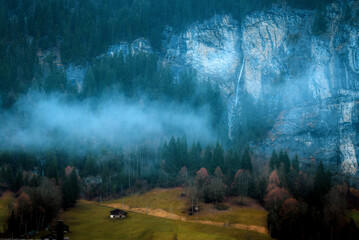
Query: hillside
(294, 62)
(170, 200)
(91, 221)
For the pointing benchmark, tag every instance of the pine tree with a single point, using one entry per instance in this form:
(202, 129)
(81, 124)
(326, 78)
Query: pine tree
(246, 162)
(286, 162)
(19, 181)
(182, 153)
(194, 158)
(51, 168)
(322, 181)
(66, 194)
(273, 161)
(199, 153)
(70, 189)
(91, 167)
(75, 186)
(164, 150)
(280, 158)
(207, 157)
(172, 155)
(218, 158)
(232, 164)
(295, 163)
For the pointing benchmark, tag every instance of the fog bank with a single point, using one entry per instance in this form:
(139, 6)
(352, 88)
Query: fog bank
(40, 122)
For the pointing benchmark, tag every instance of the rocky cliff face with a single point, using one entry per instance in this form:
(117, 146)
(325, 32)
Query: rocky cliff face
(213, 49)
(273, 55)
(75, 74)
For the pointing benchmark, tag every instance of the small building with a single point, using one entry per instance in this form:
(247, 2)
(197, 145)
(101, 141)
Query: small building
(61, 229)
(118, 213)
(192, 210)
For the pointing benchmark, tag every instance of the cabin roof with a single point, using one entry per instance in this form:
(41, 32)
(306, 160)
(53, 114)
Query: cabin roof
(118, 212)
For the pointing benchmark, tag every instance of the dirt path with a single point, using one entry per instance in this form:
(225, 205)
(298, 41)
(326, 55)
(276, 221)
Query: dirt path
(164, 214)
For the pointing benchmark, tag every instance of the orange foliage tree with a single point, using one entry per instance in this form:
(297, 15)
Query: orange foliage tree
(276, 195)
(202, 176)
(240, 184)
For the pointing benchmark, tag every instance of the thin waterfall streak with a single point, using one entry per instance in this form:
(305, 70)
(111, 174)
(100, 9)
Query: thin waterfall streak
(238, 81)
(231, 114)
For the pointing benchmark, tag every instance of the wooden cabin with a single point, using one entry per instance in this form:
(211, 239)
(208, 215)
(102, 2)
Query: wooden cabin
(192, 211)
(118, 213)
(61, 229)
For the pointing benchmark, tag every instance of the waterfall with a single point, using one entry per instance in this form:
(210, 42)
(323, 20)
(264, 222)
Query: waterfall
(233, 109)
(238, 81)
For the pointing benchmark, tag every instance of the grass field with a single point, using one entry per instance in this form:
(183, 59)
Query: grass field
(4, 203)
(247, 216)
(170, 199)
(91, 221)
(165, 199)
(355, 215)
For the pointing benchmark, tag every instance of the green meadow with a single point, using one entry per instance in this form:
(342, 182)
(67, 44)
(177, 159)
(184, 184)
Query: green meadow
(90, 220)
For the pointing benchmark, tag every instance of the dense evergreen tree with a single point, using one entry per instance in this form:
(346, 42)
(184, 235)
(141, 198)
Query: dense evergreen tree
(295, 163)
(18, 182)
(91, 167)
(246, 162)
(195, 156)
(232, 164)
(51, 170)
(283, 158)
(322, 183)
(207, 157)
(70, 190)
(273, 161)
(217, 159)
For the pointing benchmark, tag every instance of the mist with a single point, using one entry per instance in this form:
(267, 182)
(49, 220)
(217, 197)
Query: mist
(40, 122)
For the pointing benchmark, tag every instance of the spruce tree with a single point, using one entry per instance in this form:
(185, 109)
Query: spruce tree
(295, 163)
(90, 168)
(171, 165)
(51, 168)
(273, 161)
(194, 158)
(218, 158)
(286, 162)
(199, 154)
(322, 183)
(75, 187)
(182, 153)
(207, 157)
(246, 163)
(280, 158)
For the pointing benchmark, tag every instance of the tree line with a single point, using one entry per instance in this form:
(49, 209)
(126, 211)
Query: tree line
(302, 202)
(306, 203)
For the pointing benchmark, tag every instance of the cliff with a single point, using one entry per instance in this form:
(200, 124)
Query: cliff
(274, 55)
